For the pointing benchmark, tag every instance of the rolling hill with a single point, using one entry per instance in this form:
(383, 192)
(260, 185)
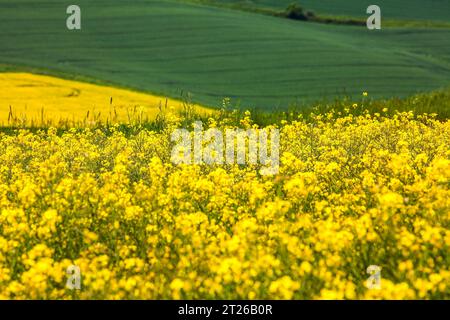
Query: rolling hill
(168, 47)
(434, 10)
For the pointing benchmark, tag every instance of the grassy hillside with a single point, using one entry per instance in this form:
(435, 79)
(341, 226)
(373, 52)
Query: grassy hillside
(433, 10)
(168, 47)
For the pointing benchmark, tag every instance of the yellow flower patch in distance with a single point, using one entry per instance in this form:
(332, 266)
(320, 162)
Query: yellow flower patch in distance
(35, 98)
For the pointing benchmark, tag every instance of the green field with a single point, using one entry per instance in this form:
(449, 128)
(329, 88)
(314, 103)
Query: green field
(435, 10)
(168, 47)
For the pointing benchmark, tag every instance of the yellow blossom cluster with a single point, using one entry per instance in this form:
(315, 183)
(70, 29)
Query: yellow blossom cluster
(351, 192)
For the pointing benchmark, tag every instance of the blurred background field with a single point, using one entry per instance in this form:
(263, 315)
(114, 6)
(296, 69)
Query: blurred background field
(39, 100)
(430, 10)
(168, 47)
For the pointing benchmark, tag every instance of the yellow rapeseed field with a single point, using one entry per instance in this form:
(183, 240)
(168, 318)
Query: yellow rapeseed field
(30, 98)
(352, 191)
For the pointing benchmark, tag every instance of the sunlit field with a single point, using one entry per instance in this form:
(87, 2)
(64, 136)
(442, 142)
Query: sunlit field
(352, 191)
(33, 100)
(224, 150)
